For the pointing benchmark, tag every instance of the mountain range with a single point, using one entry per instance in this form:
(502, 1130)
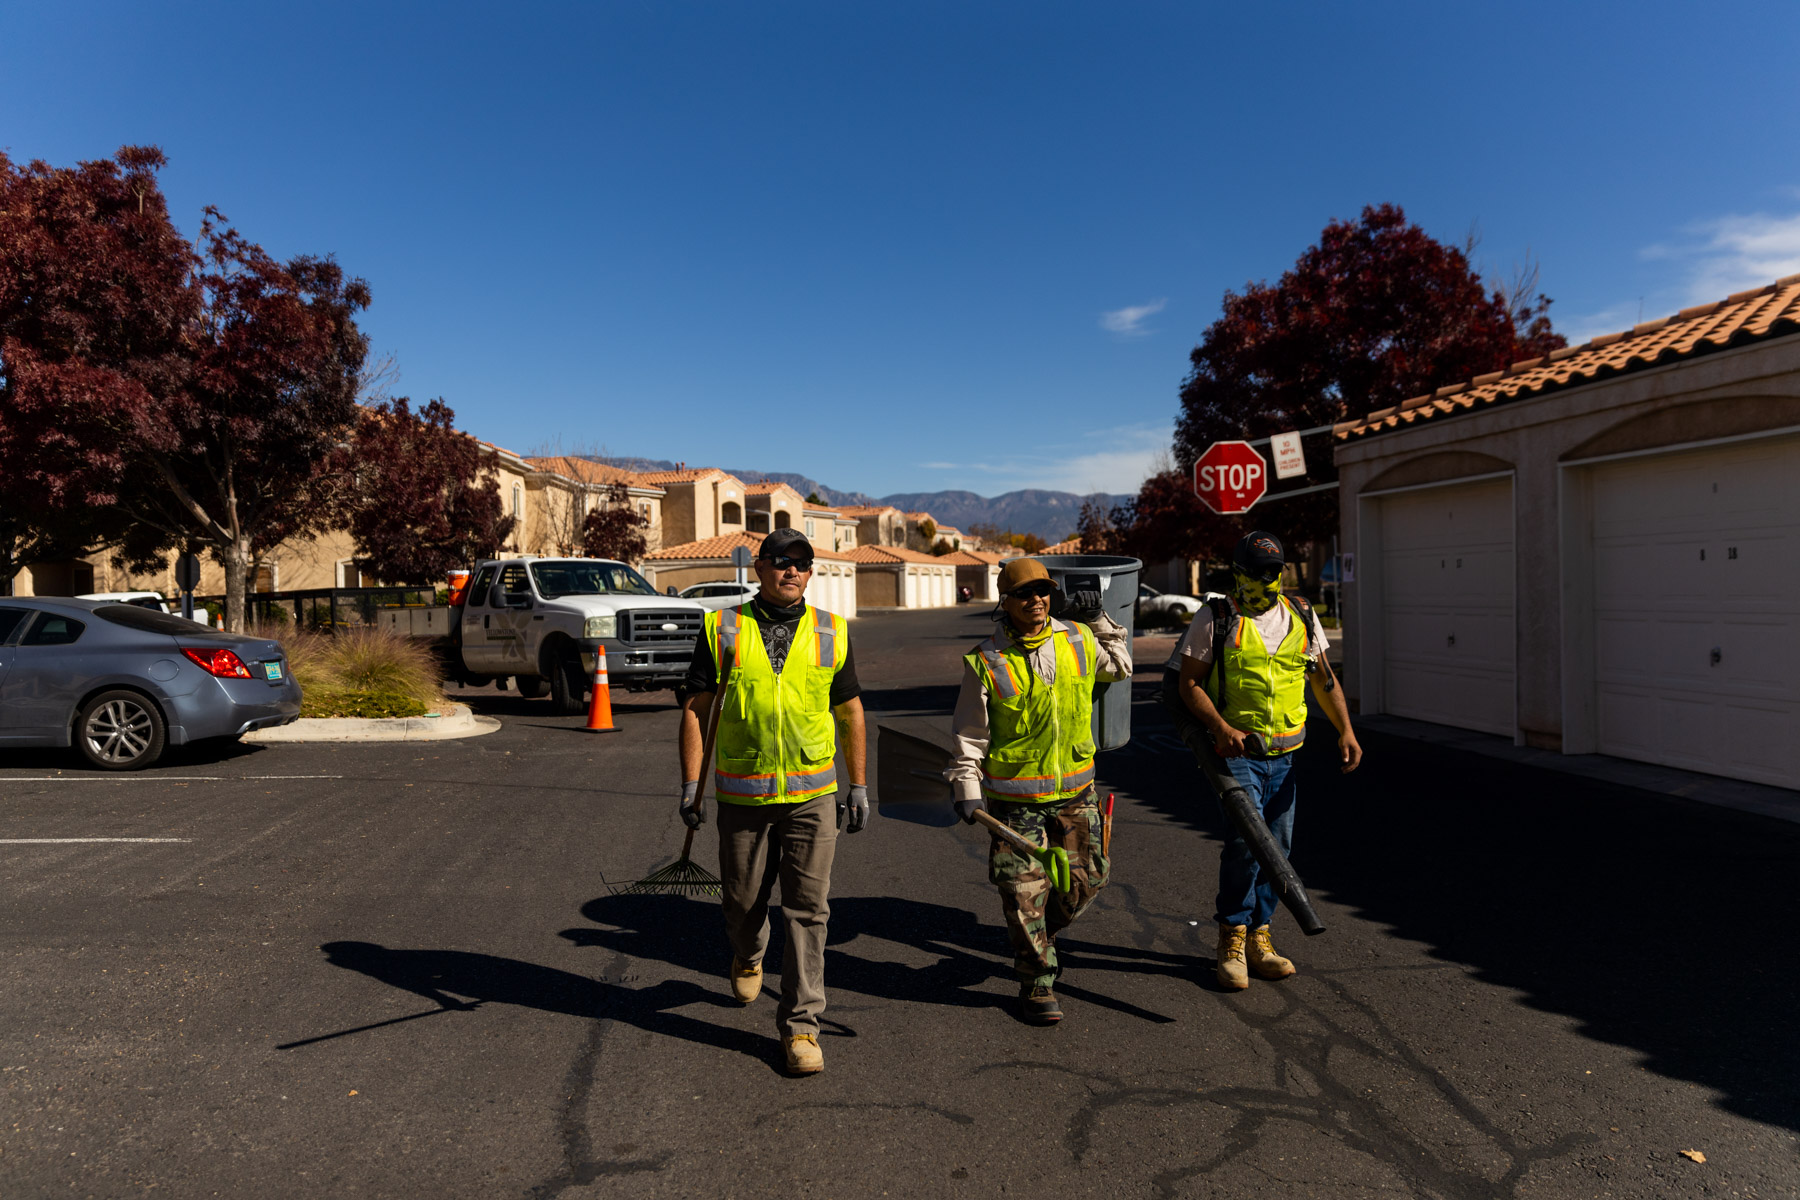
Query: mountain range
(1051, 515)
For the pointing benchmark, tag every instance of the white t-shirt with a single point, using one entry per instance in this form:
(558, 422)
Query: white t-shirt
(1273, 625)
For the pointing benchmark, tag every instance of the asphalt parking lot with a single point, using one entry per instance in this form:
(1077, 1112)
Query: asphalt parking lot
(388, 969)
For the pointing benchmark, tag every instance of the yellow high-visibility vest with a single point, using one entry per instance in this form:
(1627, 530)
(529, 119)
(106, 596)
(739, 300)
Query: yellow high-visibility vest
(1040, 736)
(1264, 693)
(776, 742)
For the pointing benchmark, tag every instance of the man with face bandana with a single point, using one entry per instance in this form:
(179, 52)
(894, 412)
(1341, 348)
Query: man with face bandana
(1025, 751)
(1245, 664)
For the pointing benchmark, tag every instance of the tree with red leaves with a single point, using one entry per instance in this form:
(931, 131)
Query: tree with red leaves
(614, 529)
(1376, 313)
(237, 454)
(420, 497)
(96, 299)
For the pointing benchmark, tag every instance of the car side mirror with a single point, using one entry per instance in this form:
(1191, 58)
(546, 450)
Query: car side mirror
(671, 589)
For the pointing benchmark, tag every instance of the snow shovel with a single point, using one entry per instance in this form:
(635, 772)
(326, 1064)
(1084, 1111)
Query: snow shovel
(912, 787)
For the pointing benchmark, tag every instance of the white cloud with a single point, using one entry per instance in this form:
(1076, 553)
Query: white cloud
(1129, 321)
(1738, 252)
(1115, 460)
(1709, 262)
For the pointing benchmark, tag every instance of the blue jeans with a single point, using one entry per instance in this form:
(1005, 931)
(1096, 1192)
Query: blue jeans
(1246, 895)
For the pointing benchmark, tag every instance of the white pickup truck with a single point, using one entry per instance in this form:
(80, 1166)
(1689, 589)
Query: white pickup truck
(540, 620)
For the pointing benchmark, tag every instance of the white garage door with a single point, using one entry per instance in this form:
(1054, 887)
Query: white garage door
(1447, 605)
(1697, 609)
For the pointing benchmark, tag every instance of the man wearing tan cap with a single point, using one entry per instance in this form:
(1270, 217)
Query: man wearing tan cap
(1025, 751)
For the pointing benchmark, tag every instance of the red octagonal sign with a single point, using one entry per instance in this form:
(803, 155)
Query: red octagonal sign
(1230, 477)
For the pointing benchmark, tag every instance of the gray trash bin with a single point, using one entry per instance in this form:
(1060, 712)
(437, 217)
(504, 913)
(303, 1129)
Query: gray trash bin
(1116, 579)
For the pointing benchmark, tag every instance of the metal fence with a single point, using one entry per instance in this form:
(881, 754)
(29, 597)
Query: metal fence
(337, 608)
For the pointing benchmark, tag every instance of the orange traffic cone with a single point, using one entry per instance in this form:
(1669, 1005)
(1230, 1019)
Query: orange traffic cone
(600, 707)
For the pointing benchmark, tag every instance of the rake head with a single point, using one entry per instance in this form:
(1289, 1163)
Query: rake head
(684, 876)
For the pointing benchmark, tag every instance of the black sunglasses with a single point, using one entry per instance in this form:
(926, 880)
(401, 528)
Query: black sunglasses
(782, 562)
(1265, 575)
(1031, 591)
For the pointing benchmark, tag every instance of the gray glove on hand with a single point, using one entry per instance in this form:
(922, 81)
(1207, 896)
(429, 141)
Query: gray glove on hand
(691, 815)
(856, 805)
(966, 809)
(1085, 606)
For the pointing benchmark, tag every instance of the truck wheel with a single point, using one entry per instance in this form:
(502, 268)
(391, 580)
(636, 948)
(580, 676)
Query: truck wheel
(530, 686)
(568, 686)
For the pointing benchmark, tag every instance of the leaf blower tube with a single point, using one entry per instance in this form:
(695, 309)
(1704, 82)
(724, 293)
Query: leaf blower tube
(1241, 810)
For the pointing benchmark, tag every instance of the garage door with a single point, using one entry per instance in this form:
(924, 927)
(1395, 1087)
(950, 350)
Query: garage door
(1696, 595)
(1447, 605)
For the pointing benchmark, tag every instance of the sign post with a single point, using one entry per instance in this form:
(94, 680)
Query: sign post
(187, 578)
(741, 559)
(1230, 477)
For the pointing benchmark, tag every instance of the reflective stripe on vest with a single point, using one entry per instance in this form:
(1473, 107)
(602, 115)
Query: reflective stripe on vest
(729, 620)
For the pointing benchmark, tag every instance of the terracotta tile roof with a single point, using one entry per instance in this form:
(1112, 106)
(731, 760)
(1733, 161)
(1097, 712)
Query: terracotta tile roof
(766, 487)
(963, 558)
(888, 556)
(823, 512)
(1745, 317)
(588, 472)
(986, 556)
(1072, 546)
(866, 510)
(721, 548)
(658, 478)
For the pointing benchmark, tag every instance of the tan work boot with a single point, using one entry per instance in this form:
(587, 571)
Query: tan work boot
(1231, 971)
(803, 1055)
(1263, 960)
(746, 979)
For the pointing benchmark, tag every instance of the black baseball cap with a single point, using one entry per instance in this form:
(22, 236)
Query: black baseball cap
(790, 542)
(1259, 555)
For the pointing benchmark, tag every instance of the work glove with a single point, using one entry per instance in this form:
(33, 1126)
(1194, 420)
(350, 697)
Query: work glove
(691, 814)
(1084, 606)
(966, 809)
(856, 806)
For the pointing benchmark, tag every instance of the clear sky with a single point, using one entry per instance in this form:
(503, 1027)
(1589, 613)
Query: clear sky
(904, 247)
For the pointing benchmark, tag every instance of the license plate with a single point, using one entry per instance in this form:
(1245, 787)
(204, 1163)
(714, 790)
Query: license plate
(272, 670)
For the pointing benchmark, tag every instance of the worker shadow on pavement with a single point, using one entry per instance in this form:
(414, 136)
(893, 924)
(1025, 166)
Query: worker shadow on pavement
(461, 981)
(967, 956)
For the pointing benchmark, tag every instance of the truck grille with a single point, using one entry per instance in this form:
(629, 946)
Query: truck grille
(646, 628)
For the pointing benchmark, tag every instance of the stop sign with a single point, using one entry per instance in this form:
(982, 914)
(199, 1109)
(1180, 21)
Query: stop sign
(1230, 477)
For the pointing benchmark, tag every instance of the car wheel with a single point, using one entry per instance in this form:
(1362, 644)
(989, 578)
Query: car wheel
(530, 686)
(120, 731)
(568, 686)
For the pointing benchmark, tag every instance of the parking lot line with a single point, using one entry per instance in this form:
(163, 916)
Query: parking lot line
(72, 841)
(152, 778)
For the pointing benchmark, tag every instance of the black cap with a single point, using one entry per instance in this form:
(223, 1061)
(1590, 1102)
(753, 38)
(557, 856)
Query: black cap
(1259, 554)
(790, 542)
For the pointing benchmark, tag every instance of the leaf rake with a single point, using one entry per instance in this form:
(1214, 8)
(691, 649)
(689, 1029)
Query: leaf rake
(684, 876)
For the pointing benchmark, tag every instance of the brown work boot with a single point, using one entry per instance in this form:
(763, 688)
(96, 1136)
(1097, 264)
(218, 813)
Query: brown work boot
(1037, 1004)
(1263, 960)
(803, 1055)
(1232, 973)
(746, 979)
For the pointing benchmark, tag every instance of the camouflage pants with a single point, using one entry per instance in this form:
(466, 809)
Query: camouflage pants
(1035, 912)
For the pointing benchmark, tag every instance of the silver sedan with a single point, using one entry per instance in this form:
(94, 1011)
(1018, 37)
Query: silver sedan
(120, 682)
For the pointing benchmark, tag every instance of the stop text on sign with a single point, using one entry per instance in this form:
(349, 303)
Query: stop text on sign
(1230, 477)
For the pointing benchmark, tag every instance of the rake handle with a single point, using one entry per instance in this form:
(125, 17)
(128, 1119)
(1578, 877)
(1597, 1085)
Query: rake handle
(1007, 833)
(706, 749)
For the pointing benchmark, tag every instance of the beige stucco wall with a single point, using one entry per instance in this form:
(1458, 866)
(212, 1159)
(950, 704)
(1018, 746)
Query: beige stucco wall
(1727, 394)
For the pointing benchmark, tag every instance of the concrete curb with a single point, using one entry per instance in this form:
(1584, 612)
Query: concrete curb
(456, 721)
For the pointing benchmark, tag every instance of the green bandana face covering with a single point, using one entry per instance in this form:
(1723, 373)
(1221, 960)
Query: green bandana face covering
(1253, 596)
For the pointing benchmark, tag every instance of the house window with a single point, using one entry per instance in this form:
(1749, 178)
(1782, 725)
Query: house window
(759, 522)
(782, 520)
(518, 500)
(809, 529)
(731, 514)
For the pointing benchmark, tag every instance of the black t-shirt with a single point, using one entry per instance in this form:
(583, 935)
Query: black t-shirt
(777, 625)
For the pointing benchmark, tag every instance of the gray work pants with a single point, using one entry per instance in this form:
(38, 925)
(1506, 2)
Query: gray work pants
(758, 844)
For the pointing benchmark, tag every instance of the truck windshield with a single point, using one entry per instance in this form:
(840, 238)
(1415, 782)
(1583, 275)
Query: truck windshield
(555, 579)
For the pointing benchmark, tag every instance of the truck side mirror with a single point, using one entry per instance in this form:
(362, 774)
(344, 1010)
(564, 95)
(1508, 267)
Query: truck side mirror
(671, 589)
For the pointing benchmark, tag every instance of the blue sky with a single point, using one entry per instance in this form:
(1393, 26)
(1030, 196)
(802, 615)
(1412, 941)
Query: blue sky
(920, 246)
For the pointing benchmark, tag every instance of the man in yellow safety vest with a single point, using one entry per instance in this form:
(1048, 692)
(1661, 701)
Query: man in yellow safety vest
(790, 693)
(1025, 750)
(1245, 664)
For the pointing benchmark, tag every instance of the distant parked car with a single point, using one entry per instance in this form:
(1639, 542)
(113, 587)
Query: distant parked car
(1154, 607)
(120, 682)
(151, 600)
(718, 595)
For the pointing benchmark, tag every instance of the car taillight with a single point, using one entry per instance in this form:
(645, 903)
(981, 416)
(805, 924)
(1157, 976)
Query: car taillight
(222, 663)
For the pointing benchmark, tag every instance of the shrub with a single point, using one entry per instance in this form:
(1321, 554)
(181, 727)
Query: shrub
(362, 671)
